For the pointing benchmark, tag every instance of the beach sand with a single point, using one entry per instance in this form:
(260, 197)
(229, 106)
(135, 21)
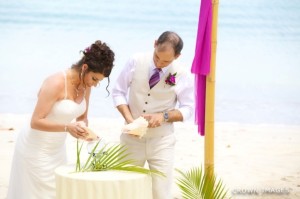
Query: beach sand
(253, 161)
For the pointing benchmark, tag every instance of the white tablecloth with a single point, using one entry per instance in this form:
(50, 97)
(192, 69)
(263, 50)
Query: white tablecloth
(101, 185)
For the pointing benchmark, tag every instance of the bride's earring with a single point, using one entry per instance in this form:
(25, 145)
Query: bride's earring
(81, 75)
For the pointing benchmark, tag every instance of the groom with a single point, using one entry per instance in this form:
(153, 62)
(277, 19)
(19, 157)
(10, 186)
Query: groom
(150, 86)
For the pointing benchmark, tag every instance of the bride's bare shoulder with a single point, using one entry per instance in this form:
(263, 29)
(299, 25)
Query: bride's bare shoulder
(54, 81)
(56, 78)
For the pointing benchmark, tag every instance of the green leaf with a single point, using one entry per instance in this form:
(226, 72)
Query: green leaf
(114, 157)
(196, 184)
(78, 166)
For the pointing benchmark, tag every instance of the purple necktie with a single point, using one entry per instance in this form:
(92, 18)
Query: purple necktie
(154, 79)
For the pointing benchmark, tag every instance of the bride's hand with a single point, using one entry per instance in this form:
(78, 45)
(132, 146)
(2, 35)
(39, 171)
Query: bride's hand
(76, 130)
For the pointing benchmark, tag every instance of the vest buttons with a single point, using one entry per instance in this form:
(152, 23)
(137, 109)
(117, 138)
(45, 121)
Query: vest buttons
(146, 102)
(144, 111)
(148, 94)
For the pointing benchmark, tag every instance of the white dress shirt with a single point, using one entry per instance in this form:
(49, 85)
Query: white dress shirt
(184, 88)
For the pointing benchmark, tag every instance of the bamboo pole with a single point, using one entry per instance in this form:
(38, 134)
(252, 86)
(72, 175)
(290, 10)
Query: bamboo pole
(210, 96)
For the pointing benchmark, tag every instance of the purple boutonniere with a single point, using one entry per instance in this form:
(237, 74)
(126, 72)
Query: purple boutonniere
(171, 79)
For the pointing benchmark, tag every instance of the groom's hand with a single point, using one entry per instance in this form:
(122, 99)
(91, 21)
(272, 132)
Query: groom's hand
(154, 119)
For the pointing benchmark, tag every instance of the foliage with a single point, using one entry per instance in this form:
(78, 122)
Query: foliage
(113, 157)
(196, 184)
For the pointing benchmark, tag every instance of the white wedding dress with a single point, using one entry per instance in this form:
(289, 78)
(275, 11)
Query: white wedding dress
(38, 153)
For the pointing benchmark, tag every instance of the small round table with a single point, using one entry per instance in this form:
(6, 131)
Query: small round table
(102, 184)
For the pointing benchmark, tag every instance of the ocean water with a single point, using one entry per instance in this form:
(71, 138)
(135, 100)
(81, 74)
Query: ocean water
(258, 59)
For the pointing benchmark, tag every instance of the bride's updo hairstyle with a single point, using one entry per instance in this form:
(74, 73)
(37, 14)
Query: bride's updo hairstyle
(99, 58)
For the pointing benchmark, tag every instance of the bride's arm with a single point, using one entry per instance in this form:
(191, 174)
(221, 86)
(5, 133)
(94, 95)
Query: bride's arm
(50, 92)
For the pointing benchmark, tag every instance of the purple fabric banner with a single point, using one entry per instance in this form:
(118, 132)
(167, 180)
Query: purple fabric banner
(201, 62)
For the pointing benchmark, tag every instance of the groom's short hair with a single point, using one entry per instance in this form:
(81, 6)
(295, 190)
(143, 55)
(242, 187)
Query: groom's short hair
(172, 38)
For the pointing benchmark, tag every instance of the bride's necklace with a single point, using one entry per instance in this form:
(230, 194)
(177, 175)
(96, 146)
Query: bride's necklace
(76, 91)
(76, 88)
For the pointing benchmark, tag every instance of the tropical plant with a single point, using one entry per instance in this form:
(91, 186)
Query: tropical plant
(114, 157)
(196, 184)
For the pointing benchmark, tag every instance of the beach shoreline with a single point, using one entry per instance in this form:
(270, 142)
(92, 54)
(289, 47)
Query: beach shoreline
(252, 160)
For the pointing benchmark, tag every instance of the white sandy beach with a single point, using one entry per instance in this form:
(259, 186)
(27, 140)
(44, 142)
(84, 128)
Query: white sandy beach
(253, 161)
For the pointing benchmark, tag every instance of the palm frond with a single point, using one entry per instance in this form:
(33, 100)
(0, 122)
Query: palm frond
(78, 166)
(113, 157)
(196, 184)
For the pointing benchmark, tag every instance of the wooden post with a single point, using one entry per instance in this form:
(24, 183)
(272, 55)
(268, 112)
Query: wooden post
(210, 96)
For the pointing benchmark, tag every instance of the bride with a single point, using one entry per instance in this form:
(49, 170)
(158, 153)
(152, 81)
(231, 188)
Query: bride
(63, 98)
